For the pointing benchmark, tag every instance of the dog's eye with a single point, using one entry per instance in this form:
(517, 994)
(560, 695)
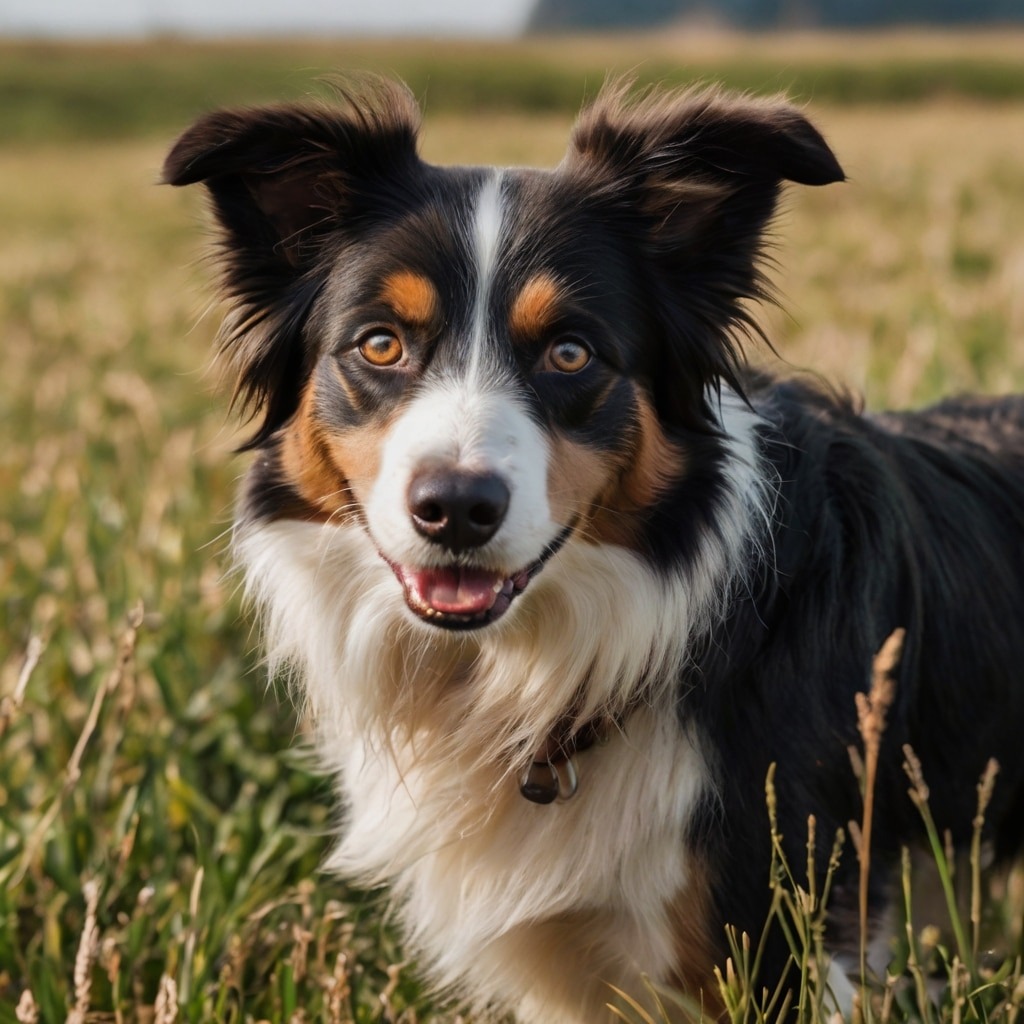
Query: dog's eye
(568, 355)
(381, 349)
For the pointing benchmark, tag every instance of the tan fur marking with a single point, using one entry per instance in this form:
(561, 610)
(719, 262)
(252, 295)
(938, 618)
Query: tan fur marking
(357, 454)
(690, 920)
(576, 477)
(572, 972)
(657, 463)
(535, 307)
(328, 470)
(652, 465)
(412, 296)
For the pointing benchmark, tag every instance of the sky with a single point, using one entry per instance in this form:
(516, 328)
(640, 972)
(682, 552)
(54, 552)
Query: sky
(253, 17)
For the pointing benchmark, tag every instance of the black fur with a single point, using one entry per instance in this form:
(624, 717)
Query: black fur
(289, 185)
(912, 520)
(656, 219)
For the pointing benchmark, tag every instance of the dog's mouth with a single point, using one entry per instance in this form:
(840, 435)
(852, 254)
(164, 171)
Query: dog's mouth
(460, 597)
(464, 596)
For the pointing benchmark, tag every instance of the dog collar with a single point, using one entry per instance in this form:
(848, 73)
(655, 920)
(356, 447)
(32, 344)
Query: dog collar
(552, 774)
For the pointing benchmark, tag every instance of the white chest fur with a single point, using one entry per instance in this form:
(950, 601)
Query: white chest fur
(532, 907)
(427, 732)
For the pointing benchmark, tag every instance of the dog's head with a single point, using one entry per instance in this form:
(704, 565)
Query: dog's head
(473, 365)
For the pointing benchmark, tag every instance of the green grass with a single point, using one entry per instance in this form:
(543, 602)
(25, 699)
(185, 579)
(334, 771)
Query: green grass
(190, 805)
(201, 828)
(51, 91)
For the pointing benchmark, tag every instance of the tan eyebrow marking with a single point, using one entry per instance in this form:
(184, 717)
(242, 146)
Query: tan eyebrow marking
(535, 306)
(412, 296)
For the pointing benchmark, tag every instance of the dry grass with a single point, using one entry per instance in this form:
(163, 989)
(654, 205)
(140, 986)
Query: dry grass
(152, 823)
(125, 89)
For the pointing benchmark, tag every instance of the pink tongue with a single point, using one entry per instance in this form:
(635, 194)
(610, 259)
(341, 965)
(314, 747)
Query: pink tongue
(462, 591)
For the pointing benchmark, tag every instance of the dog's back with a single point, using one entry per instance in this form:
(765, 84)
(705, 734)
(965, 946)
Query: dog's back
(910, 520)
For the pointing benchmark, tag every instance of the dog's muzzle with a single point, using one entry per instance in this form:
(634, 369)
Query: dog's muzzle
(457, 509)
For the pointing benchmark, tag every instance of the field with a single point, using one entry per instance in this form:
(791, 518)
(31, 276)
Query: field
(160, 824)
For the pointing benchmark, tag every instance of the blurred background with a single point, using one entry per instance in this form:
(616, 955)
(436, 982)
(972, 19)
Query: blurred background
(499, 17)
(160, 824)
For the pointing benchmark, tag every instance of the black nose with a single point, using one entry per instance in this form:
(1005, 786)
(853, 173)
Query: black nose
(456, 508)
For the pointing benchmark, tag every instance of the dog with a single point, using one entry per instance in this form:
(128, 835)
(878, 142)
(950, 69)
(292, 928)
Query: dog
(560, 575)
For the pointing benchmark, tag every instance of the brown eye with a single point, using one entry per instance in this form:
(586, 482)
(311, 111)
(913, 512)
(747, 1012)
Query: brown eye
(567, 355)
(381, 349)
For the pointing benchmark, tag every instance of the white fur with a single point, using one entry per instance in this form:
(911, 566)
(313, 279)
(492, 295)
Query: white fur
(840, 993)
(457, 424)
(488, 218)
(533, 908)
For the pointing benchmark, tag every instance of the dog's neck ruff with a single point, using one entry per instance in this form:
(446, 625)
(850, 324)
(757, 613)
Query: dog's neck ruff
(553, 774)
(601, 633)
(429, 732)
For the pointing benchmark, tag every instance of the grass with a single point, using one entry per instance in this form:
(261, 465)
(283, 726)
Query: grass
(160, 827)
(125, 90)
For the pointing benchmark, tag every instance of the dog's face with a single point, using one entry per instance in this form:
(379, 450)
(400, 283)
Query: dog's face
(475, 366)
(467, 398)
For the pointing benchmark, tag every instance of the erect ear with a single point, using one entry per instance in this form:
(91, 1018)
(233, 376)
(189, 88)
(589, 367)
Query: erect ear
(284, 181)
(281, 175)
(697, 175)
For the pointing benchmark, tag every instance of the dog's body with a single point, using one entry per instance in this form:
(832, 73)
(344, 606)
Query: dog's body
(518, 511)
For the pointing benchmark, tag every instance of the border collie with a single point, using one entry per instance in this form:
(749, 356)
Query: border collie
(561, 577)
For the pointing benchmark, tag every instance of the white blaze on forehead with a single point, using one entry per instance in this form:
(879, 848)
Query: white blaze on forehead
(488, 217)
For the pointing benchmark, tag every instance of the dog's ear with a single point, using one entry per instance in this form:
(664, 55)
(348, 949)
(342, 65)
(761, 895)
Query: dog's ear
(281, 176)
(288, 184)
(699, 174)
